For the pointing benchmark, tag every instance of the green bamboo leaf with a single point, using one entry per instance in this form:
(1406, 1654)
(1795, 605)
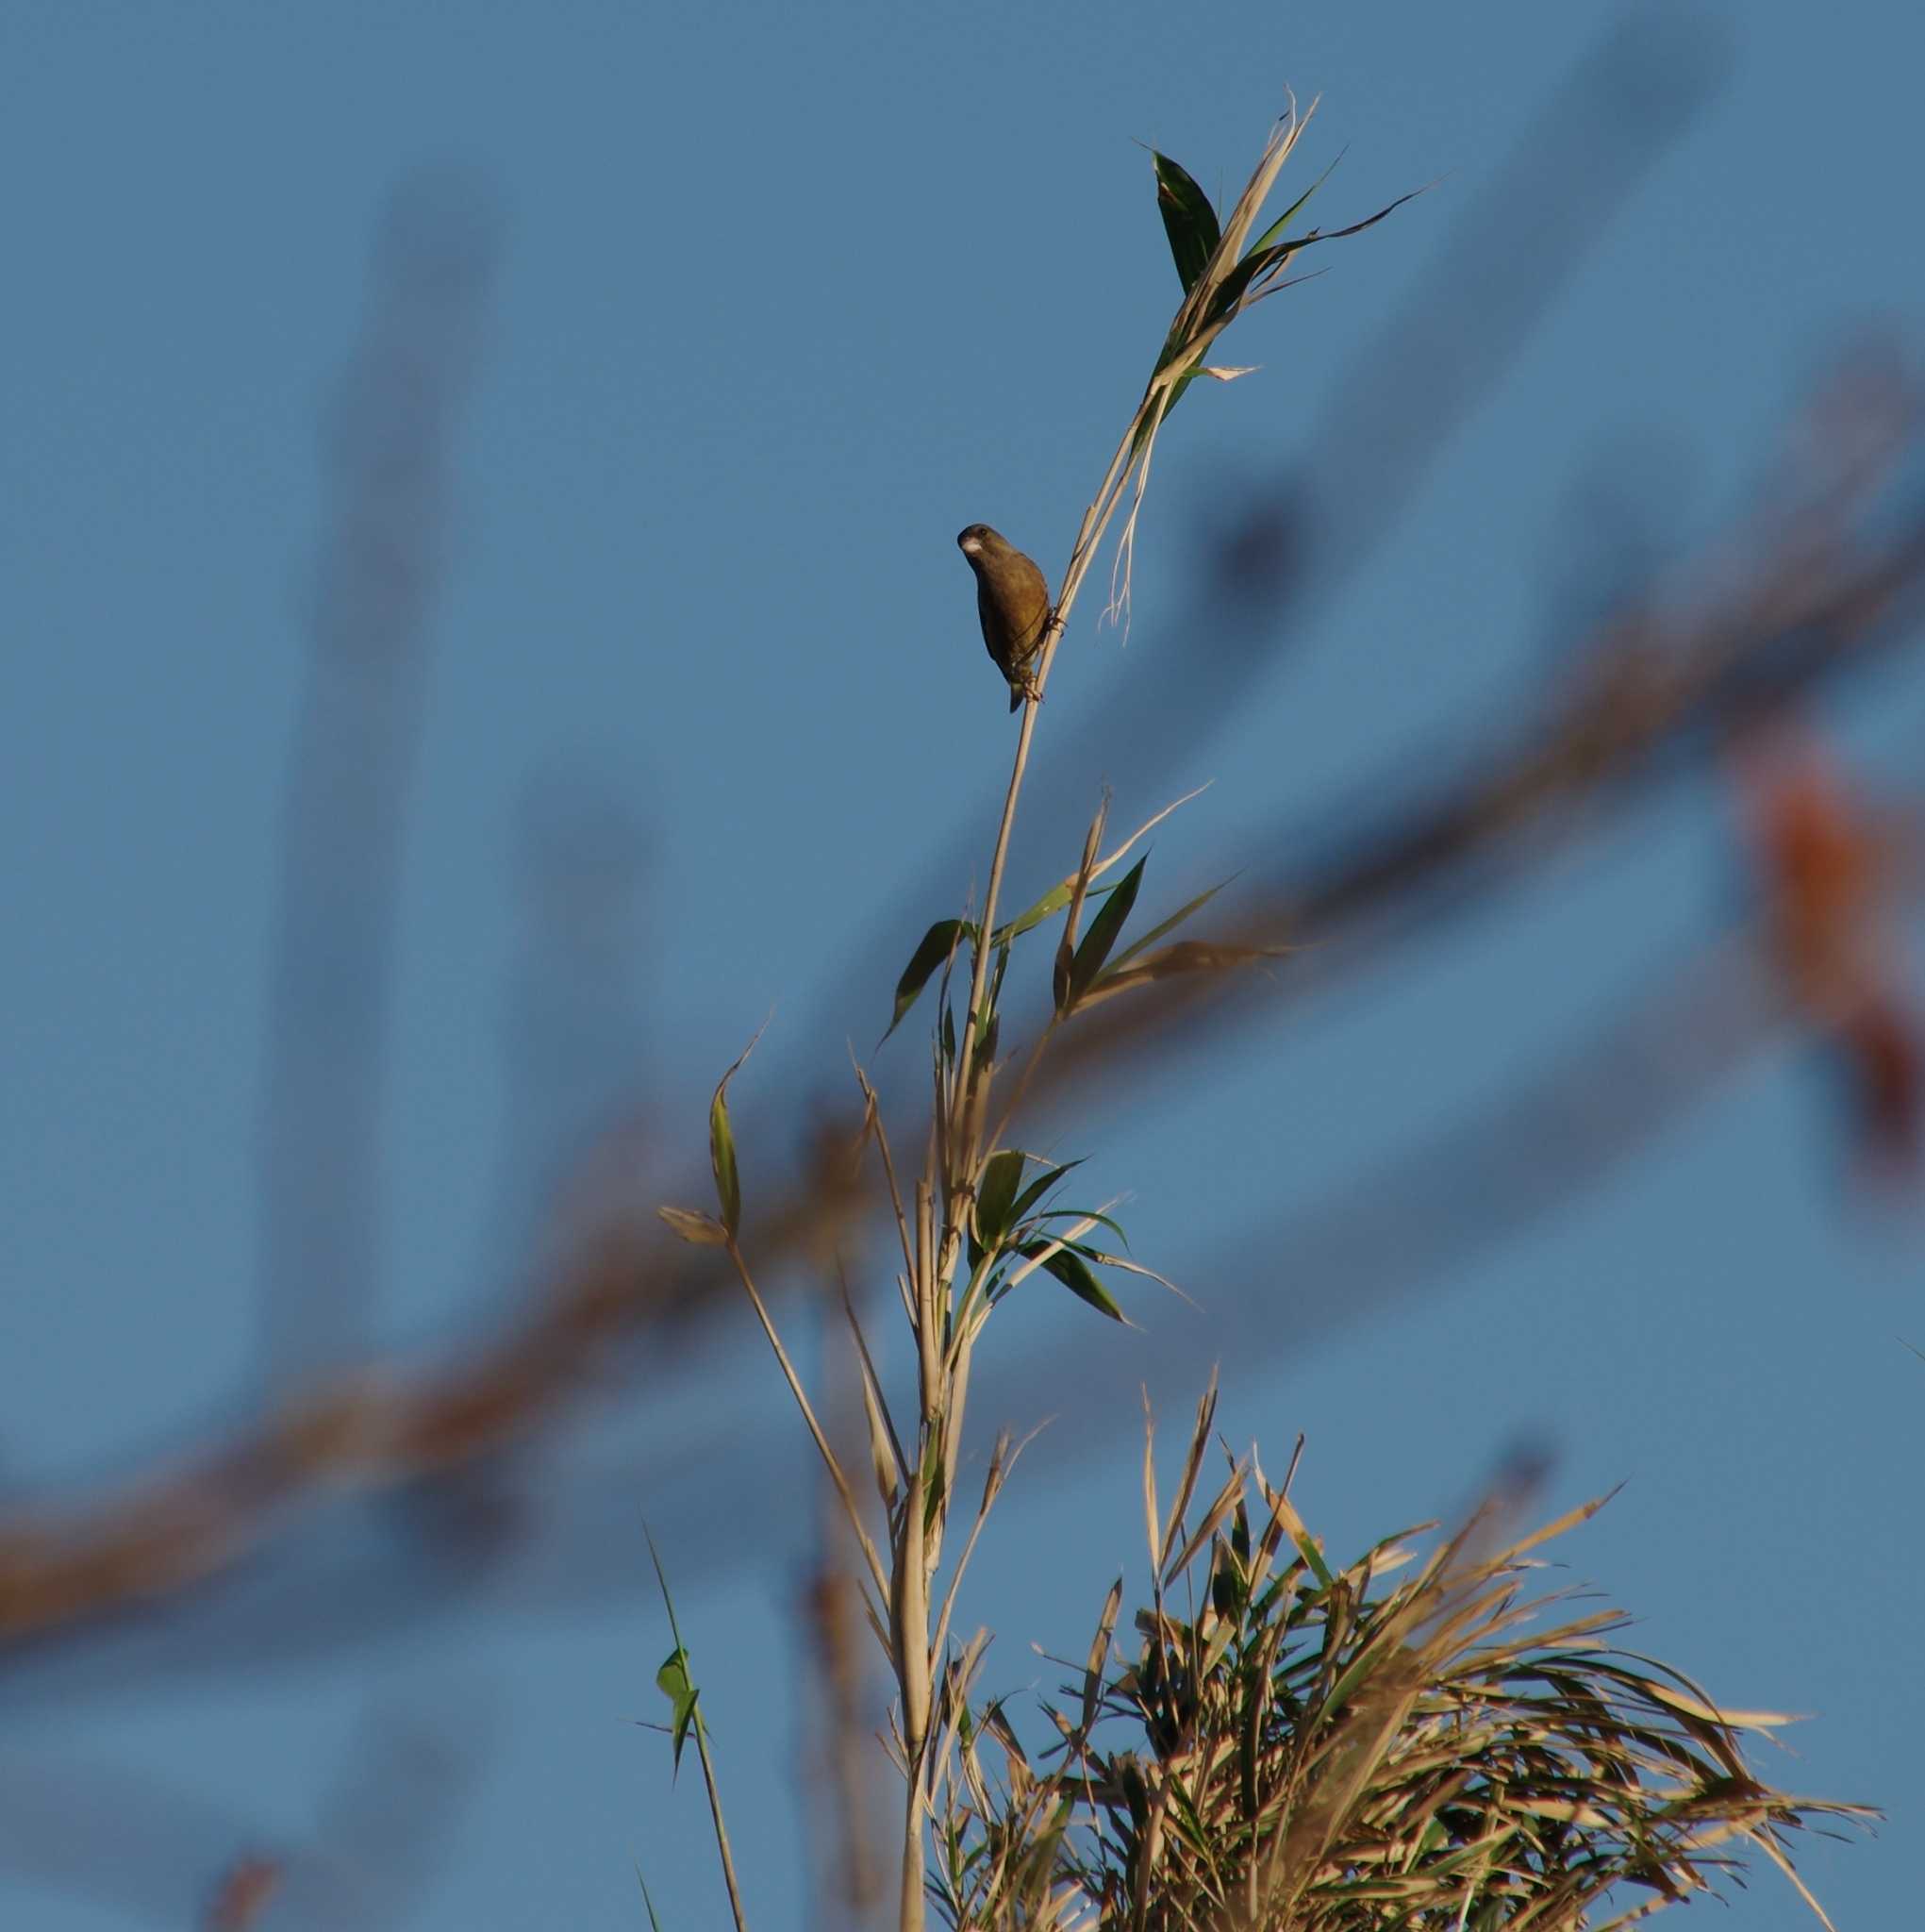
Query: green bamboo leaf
(1074, 1274)
(987, 1038)
(996, 1195)
(722, 1148)
(1169, 925)
(654, 1923)
(1037, 1189)
(934, 1479)
(1266, 262)
(938, 943)
(1189, 219)
(1369, 220)
(1104, 929)
(1095, 1673)
(1052, 901)
(1275, 231)
(1306, 1548)
(1090, 1215)
(721, 1158)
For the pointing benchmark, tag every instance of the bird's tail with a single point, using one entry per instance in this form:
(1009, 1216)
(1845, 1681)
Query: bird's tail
(1015, 699)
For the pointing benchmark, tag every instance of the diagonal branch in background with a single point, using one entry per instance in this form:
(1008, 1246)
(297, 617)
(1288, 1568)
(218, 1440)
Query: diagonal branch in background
(1663, 704)
(344, 817)
(575, 1033)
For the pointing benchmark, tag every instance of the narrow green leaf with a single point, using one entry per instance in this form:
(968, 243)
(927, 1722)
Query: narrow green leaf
(948, 1037)
(721, 1158)
(1306, 1548)
(1037, 1189)
(1275, 231)
(1002, 967)
(1189, 219)
(722, 1145)
(702, 1229)
(996, 1195)
(1369, 220)
(979, 1288)
(1074, 1274)
(938, 943)
(1095, 1671)
(1052, 901)
(1086, 1214)
(1104, 929)
(933, 1478)
(1169, 925)
(1264, 263)
(987, 1038)
(654, 1923)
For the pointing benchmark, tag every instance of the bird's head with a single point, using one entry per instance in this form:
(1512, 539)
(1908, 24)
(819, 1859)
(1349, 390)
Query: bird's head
(979, 540)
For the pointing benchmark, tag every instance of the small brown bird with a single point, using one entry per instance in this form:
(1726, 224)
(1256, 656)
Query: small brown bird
(1012, 600)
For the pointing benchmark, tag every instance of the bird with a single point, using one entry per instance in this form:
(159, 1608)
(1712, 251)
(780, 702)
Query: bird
(1012, 601)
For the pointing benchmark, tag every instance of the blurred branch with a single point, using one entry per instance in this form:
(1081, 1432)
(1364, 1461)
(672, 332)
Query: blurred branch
(1812, 605)
(573, 1033)
(344, 817)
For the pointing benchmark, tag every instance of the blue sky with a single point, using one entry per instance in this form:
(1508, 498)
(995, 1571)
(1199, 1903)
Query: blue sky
(783, 298)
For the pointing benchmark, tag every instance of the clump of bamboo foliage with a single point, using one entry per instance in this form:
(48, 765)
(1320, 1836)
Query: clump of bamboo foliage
(1305, 1752)
(1307, 1749)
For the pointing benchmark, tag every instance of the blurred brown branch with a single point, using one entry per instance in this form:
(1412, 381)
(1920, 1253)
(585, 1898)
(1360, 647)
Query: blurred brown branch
(356, 731)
